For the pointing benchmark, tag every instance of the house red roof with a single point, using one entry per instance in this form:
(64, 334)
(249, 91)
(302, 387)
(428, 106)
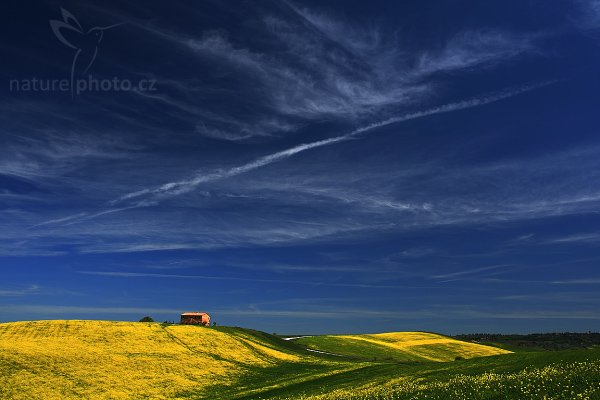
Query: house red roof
(194, 313)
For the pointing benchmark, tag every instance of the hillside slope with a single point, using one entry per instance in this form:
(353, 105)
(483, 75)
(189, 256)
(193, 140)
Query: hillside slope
(399, 346)
(122, 360)
(131, 360)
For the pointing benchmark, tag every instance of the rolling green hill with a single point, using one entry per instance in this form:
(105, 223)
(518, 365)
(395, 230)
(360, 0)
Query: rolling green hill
(399, 346)
(125, 360)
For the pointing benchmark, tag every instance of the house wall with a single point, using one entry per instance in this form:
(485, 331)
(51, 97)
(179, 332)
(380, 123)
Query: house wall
(195, 319)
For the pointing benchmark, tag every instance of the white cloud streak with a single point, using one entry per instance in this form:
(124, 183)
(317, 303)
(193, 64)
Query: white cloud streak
(31, 289)
(125, 274)
(323, 67)
(472, 49)
(580, 238)
(441, 313)
(180, 187)
(584, 281)
(469, 272)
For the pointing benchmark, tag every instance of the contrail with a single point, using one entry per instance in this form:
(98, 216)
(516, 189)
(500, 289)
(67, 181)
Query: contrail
(152, 196)
(183, 186)
(59, 220)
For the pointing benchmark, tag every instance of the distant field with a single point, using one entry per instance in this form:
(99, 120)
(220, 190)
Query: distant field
(537, 341)
(400, 346)
(123, 360)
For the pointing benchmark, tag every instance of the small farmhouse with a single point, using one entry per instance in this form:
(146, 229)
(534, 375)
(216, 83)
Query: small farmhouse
(195, 318)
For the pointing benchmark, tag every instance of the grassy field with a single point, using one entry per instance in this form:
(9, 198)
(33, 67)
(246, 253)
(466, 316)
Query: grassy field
(123, 360)
(400, 346)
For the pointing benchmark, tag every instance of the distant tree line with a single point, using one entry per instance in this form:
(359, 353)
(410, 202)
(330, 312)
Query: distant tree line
(538, 341)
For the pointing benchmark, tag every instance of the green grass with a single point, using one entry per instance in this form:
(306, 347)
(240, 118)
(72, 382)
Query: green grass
(352, 348)
(511, 376)
(400, 346)
(557, 375)
(92, 359)
(538, 341)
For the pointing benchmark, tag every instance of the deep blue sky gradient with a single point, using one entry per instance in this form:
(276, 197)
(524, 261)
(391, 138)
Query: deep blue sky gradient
(479, 215)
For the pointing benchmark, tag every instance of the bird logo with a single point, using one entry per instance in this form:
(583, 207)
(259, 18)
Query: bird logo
(85, 43)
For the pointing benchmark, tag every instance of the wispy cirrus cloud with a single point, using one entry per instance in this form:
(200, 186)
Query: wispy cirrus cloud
(582, 281)
(323, 68)
(310, 87)
(331, 89)
(587, 14)
(554, 297)
(316, 282)
(152, 196)
(470, 272)
(13, 292)
(593, 237)
(317, 68)
(333, 207)
(472, 49)
(42, 157)
(180, 187)
(437, 313)
(88, 310)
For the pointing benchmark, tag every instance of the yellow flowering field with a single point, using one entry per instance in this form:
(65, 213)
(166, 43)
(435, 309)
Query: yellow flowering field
(122, 360)
(401, 346)
(430, 346)
(132, 360)
(558, 381)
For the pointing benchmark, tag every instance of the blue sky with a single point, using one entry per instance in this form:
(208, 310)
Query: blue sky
(304, 167)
